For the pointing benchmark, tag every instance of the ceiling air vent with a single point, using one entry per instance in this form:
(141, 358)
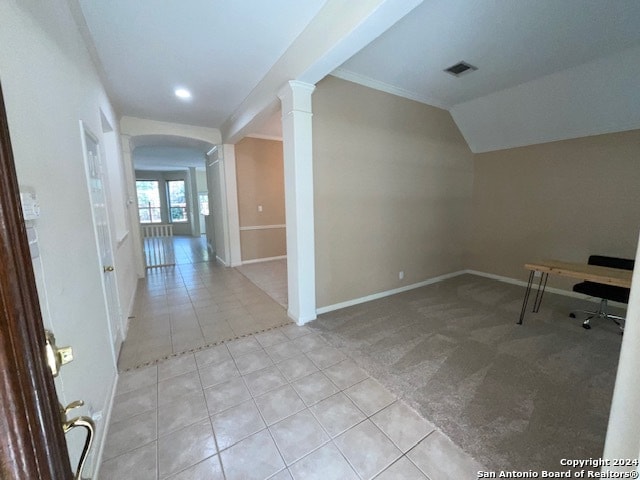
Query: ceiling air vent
(460, 68)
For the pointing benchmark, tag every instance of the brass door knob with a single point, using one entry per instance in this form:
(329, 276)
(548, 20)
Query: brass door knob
(108, 268)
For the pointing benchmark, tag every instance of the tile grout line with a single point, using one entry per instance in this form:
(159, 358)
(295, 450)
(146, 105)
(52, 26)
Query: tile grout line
(308, 408)
(213, 431)
(253, 399)
(199, 348)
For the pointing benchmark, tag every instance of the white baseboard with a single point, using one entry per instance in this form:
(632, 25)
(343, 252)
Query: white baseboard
(132, 304)
(376, 296)
(132, 301)
(558, 291)
(265, 259)
(500, 278)
(521, 283)
(98, 443)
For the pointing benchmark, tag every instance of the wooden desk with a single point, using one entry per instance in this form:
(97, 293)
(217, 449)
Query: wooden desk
(592, 273)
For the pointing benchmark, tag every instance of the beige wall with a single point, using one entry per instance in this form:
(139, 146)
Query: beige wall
(263, 243)
(393, 183)
(563, 200)
(260, 175)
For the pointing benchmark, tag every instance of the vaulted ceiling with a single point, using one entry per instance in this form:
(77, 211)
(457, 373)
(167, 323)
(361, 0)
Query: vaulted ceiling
(547, 69)
(510, 41)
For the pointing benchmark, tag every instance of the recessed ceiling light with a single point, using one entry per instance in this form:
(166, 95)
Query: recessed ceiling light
(183, 93)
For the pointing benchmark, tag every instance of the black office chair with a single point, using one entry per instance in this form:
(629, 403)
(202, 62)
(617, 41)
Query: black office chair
(604, 292)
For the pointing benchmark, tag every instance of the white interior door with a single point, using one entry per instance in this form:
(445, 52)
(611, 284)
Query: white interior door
(95, 179)
(203, 210)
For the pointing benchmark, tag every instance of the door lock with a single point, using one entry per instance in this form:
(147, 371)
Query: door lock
(108, 268)
(56, 356)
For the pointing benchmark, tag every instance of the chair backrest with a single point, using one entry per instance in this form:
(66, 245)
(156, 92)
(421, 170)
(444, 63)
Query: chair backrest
(613, 262)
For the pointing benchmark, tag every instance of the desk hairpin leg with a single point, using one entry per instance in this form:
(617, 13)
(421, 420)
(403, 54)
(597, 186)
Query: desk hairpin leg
(540, 292)
(542, 285)
(526, 297)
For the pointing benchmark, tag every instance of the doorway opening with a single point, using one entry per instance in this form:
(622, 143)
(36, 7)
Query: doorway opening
(262, 218)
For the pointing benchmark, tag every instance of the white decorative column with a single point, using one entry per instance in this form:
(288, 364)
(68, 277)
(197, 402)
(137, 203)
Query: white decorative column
(232, 220)
(298, 186)
(194, 206)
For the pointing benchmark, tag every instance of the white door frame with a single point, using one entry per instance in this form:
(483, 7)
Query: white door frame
(114, 312)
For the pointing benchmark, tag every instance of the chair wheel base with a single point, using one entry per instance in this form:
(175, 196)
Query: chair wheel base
(586, 326)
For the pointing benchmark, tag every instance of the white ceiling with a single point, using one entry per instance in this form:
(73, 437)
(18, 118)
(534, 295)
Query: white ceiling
(218, 49)
(168, 152)
(164, 158)
(171, 141)
(510, 41)
(271, 128)
(547, 69)
(538, 61)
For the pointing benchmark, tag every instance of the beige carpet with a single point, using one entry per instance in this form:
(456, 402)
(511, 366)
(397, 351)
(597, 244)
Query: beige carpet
(514, 397)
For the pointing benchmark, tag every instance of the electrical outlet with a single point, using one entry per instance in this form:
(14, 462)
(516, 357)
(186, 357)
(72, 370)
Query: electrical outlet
(401, 275)
(260, 208)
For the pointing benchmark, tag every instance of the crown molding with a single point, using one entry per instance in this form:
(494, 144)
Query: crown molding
(387, 88)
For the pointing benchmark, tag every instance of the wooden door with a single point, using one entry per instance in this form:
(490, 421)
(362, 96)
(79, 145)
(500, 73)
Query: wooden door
(32, 444)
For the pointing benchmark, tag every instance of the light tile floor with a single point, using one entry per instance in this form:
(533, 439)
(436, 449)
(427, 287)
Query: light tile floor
(194, 304)
(278, 405)
(271, 277)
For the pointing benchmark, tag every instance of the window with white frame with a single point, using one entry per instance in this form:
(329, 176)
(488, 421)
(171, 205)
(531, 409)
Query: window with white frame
(149, 208)
(177, 201)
